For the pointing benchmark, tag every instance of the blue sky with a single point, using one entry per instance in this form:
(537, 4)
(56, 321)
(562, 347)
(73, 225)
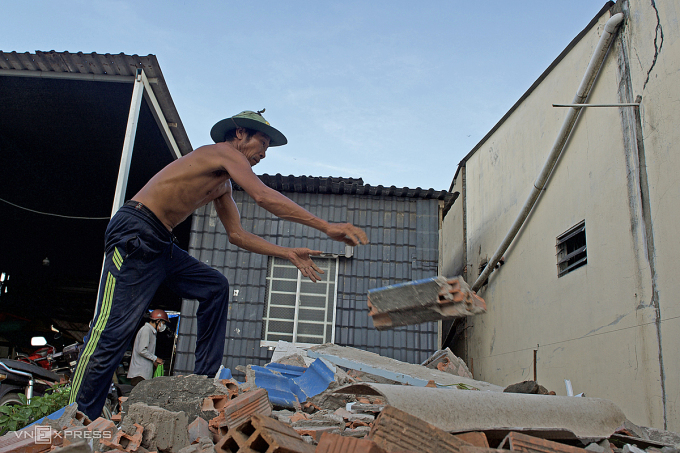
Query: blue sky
(396, 93)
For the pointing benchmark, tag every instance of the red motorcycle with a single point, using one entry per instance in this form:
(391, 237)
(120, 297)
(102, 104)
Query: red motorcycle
(42, 357)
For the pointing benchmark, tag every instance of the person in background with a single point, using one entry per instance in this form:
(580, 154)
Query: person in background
(144, 359)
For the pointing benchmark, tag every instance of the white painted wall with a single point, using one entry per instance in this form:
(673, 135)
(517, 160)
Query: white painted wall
(597, 325)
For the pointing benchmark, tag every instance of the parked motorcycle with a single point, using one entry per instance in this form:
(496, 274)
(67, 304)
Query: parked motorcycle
(19, 377)
(41, 357)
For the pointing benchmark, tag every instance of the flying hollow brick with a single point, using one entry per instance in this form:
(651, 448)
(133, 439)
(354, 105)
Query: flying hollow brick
(421, 301)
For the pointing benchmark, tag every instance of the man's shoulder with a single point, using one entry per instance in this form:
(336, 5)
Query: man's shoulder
(222, 147)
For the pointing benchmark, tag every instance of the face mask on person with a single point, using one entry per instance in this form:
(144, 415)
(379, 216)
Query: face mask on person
(161, 327)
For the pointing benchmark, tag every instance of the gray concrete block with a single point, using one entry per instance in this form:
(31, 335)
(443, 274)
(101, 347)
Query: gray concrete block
(177, 393)
(164, 431)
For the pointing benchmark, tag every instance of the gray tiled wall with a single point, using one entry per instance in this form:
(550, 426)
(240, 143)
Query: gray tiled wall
(403, 246)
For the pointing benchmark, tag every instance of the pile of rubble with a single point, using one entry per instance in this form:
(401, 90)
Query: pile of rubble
(335, 399)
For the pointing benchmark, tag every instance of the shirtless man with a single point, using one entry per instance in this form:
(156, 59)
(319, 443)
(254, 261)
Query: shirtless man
(141, 254)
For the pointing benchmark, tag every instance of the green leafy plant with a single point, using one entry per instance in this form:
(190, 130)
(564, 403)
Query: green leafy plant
(13, 418)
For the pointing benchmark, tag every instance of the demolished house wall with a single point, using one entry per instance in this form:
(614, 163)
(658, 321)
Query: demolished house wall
(404, 242)
(600, 324)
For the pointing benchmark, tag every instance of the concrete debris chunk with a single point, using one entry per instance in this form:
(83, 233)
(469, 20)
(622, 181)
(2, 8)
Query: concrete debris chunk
(445, 360)
(528, 387)
(164, 431)
(177, 394)
(419, 301)
(198, 429)
(395, 429)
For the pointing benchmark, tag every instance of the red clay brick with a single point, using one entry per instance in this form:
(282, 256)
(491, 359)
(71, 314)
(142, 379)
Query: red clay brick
(102, 424)
(335, 443)
(241, 408)
(263, 434)
(395, 429)
(122, 441)
(476, 438)
(35, 439)
(530, 444)
(215, 403)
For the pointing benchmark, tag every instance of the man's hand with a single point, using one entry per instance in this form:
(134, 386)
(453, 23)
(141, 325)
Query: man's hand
(158, 361)
(300, 257)
(347, 233)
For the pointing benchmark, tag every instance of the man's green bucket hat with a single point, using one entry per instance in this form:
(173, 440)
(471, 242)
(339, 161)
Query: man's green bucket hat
(249, 120)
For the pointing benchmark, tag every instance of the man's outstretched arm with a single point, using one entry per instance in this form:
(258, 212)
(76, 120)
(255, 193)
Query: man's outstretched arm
(283, 207)
(231, 219)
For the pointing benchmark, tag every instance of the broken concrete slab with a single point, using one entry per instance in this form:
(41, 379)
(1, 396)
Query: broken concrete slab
(395, 429)
(496, 414)
(419, 301)
(395, 370)
(177, 393)
(164, 430)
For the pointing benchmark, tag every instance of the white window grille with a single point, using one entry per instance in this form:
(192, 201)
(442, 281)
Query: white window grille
(296, 309)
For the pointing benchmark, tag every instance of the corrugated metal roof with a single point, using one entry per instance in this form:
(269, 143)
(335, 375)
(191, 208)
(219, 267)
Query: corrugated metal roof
(349, 186)
(99, 67)
(403, 230)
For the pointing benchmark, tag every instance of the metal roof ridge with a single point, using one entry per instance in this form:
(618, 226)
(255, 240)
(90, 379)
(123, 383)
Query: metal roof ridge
(342, 185)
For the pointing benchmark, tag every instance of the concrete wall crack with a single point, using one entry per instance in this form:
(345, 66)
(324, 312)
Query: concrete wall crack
(658, 42)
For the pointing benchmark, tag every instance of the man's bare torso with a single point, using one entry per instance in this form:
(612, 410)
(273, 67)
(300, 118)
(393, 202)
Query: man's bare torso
(185, 185)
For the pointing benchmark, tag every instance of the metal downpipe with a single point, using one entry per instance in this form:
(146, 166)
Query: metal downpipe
(582, 93)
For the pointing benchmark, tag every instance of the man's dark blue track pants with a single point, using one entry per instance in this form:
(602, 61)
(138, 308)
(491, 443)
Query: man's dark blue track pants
(140, 255)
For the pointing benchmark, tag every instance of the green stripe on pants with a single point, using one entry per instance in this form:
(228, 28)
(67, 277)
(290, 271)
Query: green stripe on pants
(94, 338)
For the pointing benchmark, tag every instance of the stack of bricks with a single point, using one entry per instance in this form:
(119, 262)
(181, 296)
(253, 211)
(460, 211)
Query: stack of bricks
(421, 301)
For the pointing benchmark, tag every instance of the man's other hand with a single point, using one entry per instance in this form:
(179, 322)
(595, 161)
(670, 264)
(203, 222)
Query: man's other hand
(300, 257)
(158, 362)
(347, 233)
